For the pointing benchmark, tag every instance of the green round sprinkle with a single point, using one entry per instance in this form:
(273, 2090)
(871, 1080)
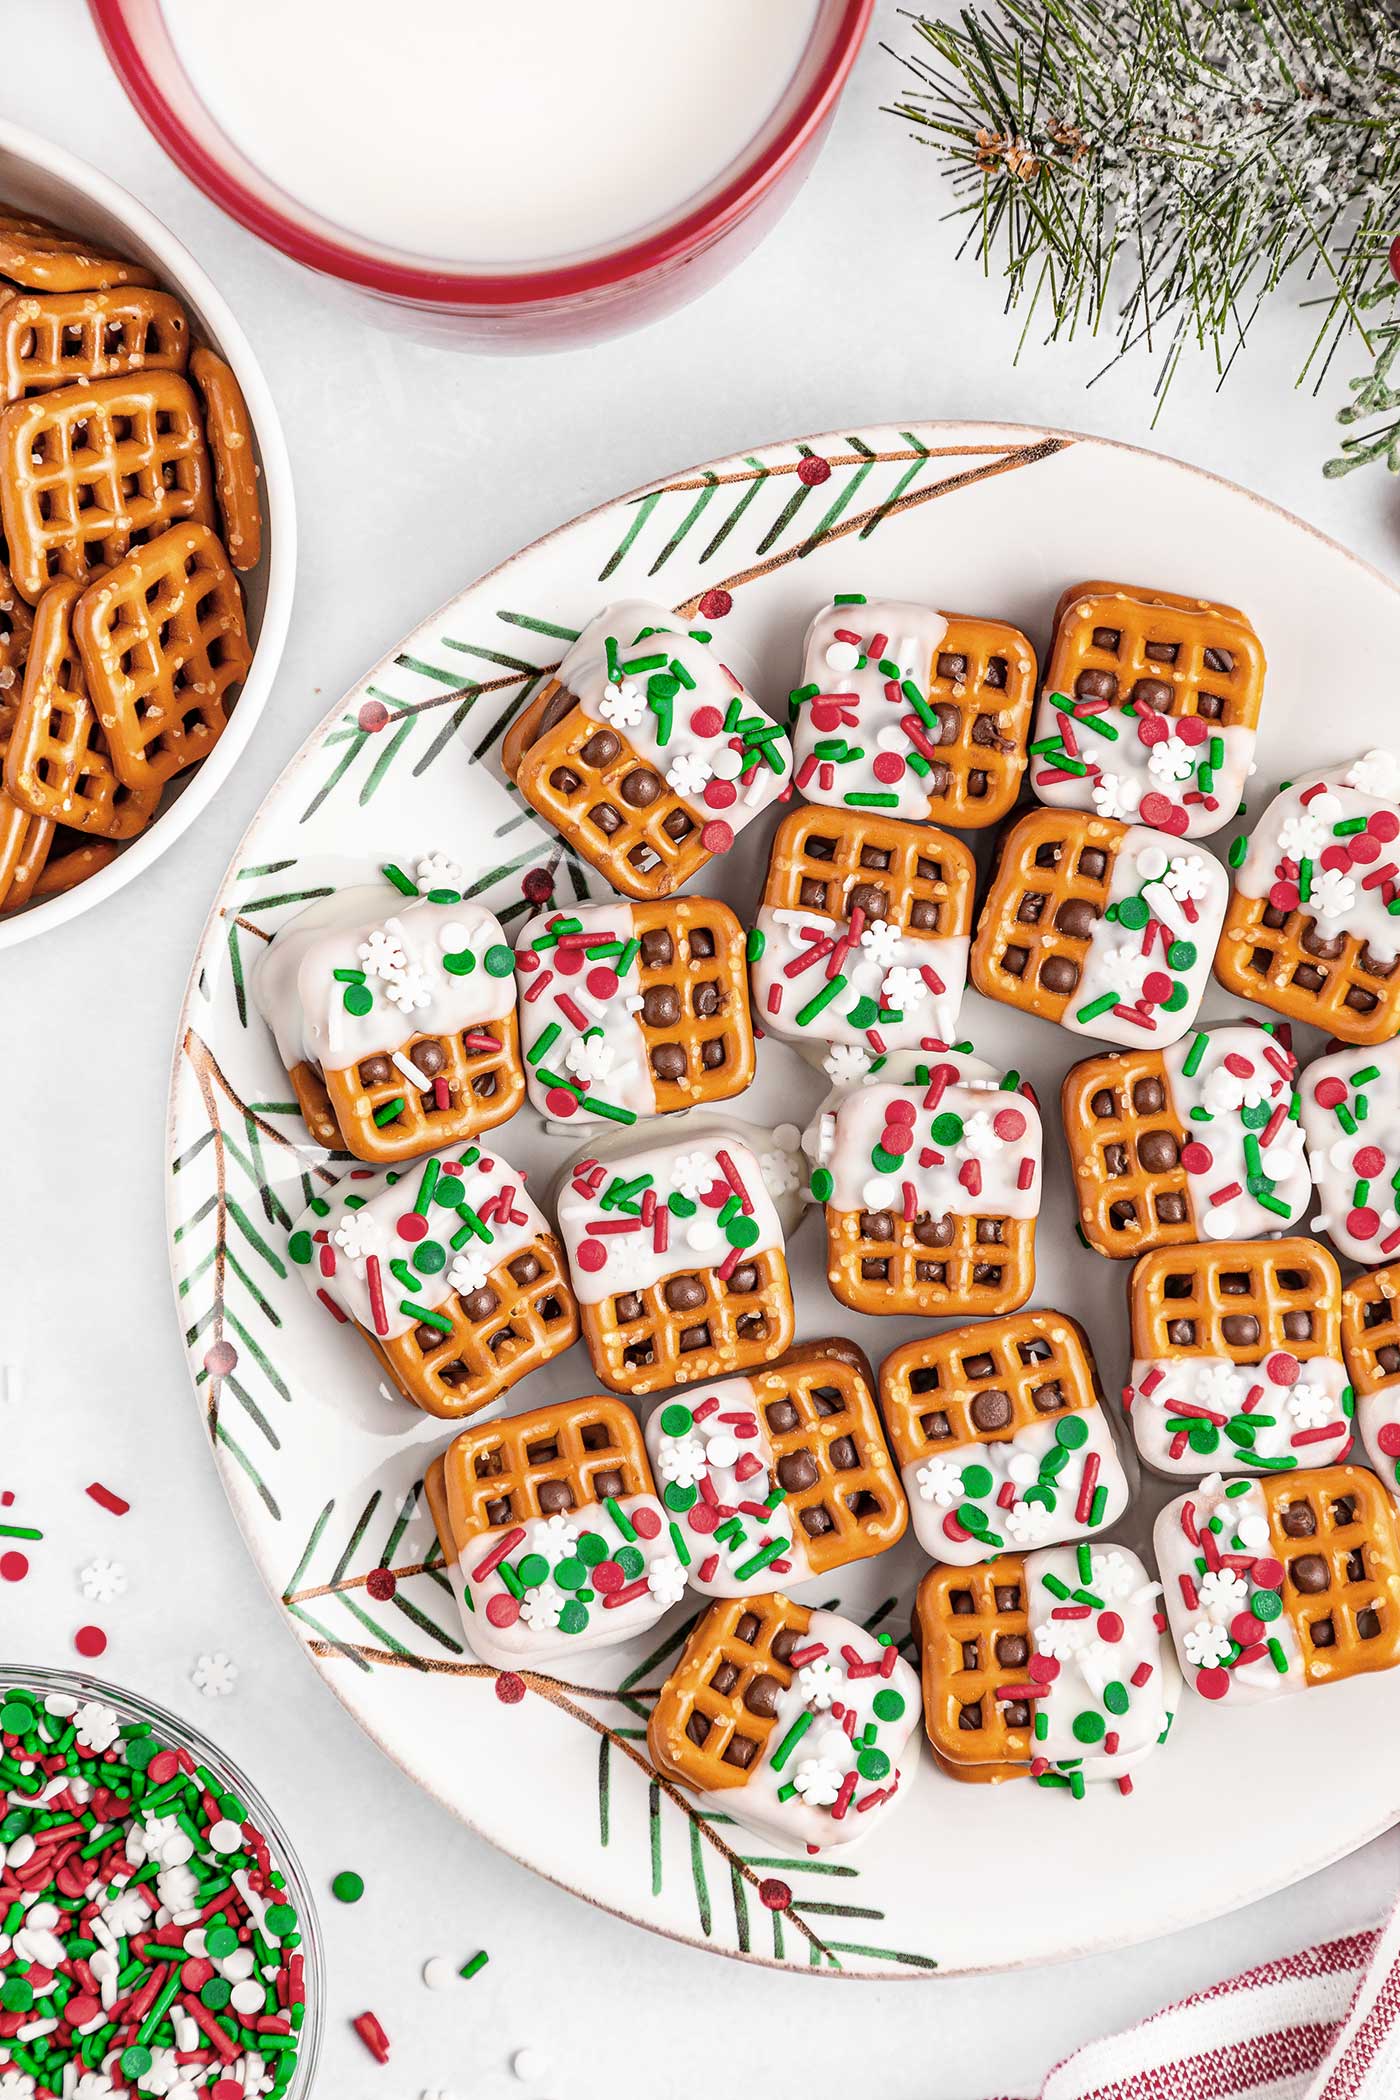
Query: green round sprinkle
(571, 1574)
(662, 685)
(1181, 955)
(1089, 1728)
(884, 1162)
(972, 1518)
(822, 1184)
(887, 1706)
(348, 1887)
(358, 1000)
(872, 1764)
(1266, 1604)
(742, 1232)
(221, 1941)
(976, 1481)
(429, 1256)
(574, 1617)
(1071, 1432)
(533, 1569)
(16, 1995)
(1203, 1437)
(136, 2061)
(459, 962)
(281, 1917)
(216, 1994)
(1115, 1697)
(677, 1499)
(299, 1246)
(1040, 1493)
(947, 1128)
(591, 1548)
(1175, 999)
(631, 1561)
(676, 1419)
(1133, 913)
(15, 1719)
(500, 960)
(140, 1752)
(1255, 1118)
(1238, 849)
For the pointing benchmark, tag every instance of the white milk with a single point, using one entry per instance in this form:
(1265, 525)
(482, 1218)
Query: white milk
(492, 131)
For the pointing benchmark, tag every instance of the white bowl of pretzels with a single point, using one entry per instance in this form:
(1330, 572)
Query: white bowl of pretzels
(147, 537)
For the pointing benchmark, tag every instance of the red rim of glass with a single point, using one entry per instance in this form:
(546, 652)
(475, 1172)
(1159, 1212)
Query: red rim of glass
(669, 244)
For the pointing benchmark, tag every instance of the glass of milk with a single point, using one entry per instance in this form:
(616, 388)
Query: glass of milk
(521, 172)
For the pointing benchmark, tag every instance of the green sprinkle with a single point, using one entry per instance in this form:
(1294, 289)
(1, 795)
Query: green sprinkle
(793, 1737)
(399, 879)
(390, 1112)
(474, 1966)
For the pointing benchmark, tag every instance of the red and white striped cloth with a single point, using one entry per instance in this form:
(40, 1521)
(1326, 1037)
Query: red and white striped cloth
(1320, 2025)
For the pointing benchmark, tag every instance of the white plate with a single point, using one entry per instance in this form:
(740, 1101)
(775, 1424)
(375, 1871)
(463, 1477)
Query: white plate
(323, 1469)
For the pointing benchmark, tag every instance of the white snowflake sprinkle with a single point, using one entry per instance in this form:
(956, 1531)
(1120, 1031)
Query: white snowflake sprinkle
(1310, 1406)
(1061, 1638)
(817, 1782)
(1113, 1575)
(561, 1532)
(1333, 894)
(411, 991)
(939, 1482)
(666, 1579)
(542, 1607)
(780, 1171)
(688, 774)
(820, 1682)
(436, 871)
(1301, 837)
(358, 1235)
(1206, 1645)
(383, 954)
(1027, 1522)
(1170, 760)
(103, 1581)
(1378, 774)
(979, 1136)
(1224, 1591)
(846, 1063)
(468, 1273)
(1124, 970)
(97, 1725)
(903, 988)
(1116, 795)
(682, 1459)
(692, 1173)
(881, 942)
(623, 705)
(1225, 1091)
(590, 1057)
(1185, 877)
(214, 1675)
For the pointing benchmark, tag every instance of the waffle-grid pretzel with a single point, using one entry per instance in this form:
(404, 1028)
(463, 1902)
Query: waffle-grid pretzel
(716, 1712)
(694, 947)
(1035, 1366)
(484, 1087)
(882, 1262)
(1208, 654)
(578, 773)
(58, 764)
(32, 252)
(88, 472)
(1371, 1329)
(569, 1455)
(911, 875)
(51, 339)
(1339, 1517)
(982, 691)
(531, 1317)
(1279, 959)
(16, 626)
(1290, 1289)
(165, 648)
(230, 432)
(819, 1403)
(640, 1344)
(973, 1629)
(1125, 1142)
(1033, 926)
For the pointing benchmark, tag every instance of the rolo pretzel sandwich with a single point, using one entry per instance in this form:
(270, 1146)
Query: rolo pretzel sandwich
(1351, 1115)
(1371, 1349)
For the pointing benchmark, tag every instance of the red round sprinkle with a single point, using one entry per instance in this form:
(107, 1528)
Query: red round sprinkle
(1388, 1439)
(1284, 896)
(1197, 1158)
(1157, 986)
(372, 716)
(1267, 1573)
(196, 1972)
(601, 983)
(80, 2009)
(537, 884)
(381, 1584)
(1369, 1162)
(900, 1112)
(1240, 1066)
(527, 961)
(716, 1195)
(163, 1767)
(1153, 729)
(1009, 1124)
(720, 794)
(1246, 1629)
(954, 1528)
(703, 1517)
(560, 1102)
(1336, 856)
(646, 1523)
(607, 1577)
(1328, 1092)
(13, 1567)
(1110, 1626)
(774, 1894)
(503, 1610)
(823, 714)
(707, 721)
(813, 472)
(1191, 729)
(1155, 809)
(1281, 1368)
(1383, 824)
(888, 767)
(897, 1138)
(591, 1255)
(1364, 846)
(220, 1359)
(1363, 1223)
(1213, 1684)
(568, 961)
(90, 1640)
(411, 1227)
(715, 604)
(510, 1689)
(1042, 1669)
(717, 836)
(226, 2089)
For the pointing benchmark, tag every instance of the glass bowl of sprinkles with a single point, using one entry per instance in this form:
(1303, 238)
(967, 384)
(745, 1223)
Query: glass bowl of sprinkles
(157, 1934)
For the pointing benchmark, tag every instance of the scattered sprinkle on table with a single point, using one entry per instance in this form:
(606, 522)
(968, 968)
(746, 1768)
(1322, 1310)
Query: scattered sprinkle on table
(348, 1886)
(529, 2064)
(107, 1500)
(103, 1581)
(90, 1641)
(152, 1944)
(472, 1967)
(373, 2036)
(214, 1675)
(439, 1973)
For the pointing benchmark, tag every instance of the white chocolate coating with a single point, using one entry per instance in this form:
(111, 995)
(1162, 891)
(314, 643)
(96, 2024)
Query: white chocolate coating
(884, 966)
(1282, 1410)
(1300, 824)
(609, 1056)
(981, 1172)
(853, 707)
(1123, 766)
(936, 1486)
(1174, 884)
(1204, 1602)
(1378, 1420)
(685, 1178)
(1099, 1652)
(1354, 1150)
(728, 1447)
(1239, 1077)
(533, 1632)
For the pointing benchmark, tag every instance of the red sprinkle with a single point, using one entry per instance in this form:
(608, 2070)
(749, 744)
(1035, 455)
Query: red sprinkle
(107, 1500)
(373, 2036)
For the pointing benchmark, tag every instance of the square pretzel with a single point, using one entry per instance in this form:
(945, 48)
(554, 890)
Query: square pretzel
(1371, 1350)
(1283, 1584)
(862, 933)
(1201, 1140)
(1001, 1436)
(796, 1722)
(1237, 1357)
(1150, 707)
(89, 472)
(641, 1008)
(780, 1476)
(1350, 1105)
(911, 712)
(1101, 926)
(52, 339)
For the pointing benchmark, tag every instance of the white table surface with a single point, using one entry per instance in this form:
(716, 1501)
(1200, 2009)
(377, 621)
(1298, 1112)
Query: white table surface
(417, 468)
